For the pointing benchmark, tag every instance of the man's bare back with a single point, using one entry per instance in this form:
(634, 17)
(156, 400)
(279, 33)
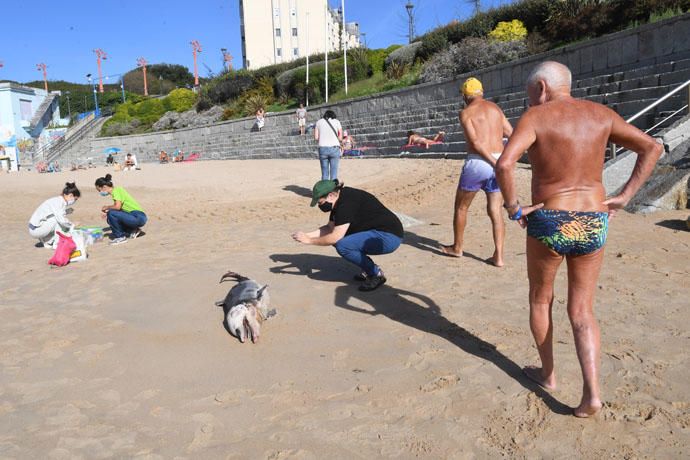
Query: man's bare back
(568, 142)
(484, 125)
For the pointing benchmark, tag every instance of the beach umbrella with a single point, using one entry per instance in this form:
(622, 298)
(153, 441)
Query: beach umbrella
(111, 150)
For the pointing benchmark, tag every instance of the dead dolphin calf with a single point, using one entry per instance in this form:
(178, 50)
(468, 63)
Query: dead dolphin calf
(246, 306)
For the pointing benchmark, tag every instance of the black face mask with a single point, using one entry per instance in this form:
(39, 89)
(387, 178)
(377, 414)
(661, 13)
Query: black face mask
(326, 206)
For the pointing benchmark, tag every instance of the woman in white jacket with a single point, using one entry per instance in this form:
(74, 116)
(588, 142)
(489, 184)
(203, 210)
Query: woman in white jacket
(51, 216)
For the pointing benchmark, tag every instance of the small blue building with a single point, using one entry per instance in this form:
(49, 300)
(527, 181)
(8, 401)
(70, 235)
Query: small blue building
(25, 113)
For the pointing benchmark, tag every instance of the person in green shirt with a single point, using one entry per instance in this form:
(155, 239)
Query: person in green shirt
(125, 216)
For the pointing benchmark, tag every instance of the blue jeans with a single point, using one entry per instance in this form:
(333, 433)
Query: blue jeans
(123, 223)
(357, 248)
(329, 158)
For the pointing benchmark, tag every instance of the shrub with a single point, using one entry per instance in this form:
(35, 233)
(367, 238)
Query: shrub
(358, 67)
(203, 103)
(405, 54)
(469, 55)
(148, 111)
(377, 58)
(509, 31)
(181, 100)
(230, 86)
(254, 102)
(396, 70)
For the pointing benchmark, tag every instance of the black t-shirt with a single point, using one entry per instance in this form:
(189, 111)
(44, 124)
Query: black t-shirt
(363, 211)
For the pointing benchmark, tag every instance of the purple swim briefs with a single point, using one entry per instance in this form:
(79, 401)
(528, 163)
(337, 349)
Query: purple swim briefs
(477, 174)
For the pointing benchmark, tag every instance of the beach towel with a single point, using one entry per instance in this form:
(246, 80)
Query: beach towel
(64, 249)
(192, 157)
(411, 146)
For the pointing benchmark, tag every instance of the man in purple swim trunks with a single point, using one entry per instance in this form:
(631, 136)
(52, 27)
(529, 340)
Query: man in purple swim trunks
(485, 125)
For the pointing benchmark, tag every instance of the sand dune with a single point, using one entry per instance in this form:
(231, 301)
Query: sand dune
(125, 355)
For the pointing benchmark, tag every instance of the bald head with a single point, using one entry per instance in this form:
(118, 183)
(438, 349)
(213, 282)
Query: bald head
(554, 74)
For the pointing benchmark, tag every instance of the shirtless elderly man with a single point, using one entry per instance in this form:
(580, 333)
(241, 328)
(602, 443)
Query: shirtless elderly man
(566, 139)
(484, 125)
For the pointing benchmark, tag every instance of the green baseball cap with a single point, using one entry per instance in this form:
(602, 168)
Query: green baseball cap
(321, 189)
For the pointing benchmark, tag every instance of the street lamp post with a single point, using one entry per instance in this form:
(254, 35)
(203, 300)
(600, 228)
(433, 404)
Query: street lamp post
(43, 67)
(227, 59)
(100, 55)
(142, 63)
(307, 83)
(344, 38)
(95, 94)
(196, 48)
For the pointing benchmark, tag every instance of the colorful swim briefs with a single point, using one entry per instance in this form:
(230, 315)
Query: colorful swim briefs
(570, 233)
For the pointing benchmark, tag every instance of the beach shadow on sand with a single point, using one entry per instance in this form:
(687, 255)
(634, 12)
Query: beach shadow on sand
(427, 244)
(409, 308)
(673, 224)
(298, 190)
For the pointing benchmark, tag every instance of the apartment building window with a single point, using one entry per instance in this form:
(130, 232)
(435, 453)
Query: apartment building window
(279, 52)
(295, 51)
(294, 31)
(278, 32)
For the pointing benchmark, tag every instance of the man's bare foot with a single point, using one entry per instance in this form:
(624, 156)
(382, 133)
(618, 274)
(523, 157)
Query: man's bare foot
(496, 261)
(449, 251)
(587, 409)
(535, 374)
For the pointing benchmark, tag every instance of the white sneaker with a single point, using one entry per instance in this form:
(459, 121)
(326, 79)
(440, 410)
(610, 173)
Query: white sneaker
(122, 239)
(134, 234)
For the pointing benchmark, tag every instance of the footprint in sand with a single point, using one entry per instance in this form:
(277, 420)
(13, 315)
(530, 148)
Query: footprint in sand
(93, 352)
(440, 383)
(204, 431)
(288, 453)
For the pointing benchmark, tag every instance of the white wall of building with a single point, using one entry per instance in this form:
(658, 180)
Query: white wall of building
(275, 31)
(18, 105)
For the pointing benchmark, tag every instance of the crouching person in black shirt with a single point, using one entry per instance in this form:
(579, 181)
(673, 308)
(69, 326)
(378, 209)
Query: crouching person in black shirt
(359, 226)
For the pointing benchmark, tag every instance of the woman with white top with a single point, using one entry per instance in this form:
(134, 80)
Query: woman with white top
(328, 133)
(51, 216)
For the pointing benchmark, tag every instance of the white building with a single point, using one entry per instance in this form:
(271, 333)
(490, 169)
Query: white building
(25, 113)
(276, 31)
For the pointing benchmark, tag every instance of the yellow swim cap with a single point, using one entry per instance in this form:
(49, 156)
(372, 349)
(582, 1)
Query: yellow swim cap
(472, 87)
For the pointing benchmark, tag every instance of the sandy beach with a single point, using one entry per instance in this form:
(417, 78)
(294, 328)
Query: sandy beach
(125, 355)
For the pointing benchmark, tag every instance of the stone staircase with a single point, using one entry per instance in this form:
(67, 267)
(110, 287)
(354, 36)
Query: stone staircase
(74, 147)
(41, 111)
(383, 132)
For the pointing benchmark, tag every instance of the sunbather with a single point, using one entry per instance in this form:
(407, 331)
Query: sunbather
(415, 139)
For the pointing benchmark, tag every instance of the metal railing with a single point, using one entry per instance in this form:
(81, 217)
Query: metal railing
(614, 149)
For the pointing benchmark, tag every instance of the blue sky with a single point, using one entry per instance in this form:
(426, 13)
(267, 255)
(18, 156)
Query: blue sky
(63, 34)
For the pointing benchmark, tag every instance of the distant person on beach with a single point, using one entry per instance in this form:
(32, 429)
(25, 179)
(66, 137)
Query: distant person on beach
(566, 139)
(484, 125)
(130, 162)
(329, 133)
(301, 119)
(125, 216)
(260, 118)
(163, 157)
(415, 139)
(110, 160)
(359, 226)
(51, 216)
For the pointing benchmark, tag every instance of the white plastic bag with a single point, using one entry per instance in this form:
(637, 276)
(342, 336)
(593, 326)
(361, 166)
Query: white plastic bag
(78, 254)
